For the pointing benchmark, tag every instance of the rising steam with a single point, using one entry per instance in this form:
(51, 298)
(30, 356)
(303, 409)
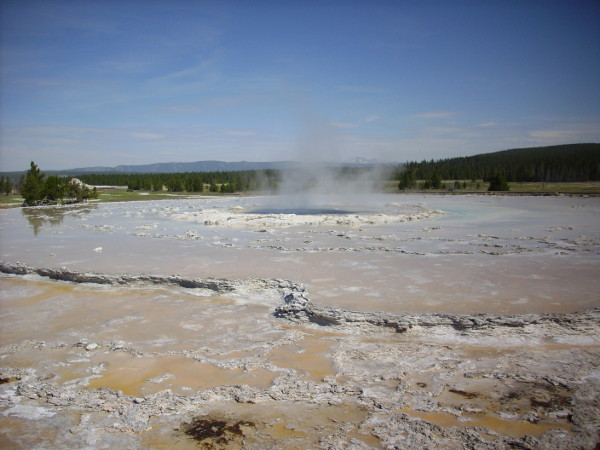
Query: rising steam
(320, 180)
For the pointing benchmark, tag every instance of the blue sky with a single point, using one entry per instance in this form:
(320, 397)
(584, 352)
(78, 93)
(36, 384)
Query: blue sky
(86, 83)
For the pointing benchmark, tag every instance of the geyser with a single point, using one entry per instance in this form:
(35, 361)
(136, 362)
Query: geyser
(325, 188)
(320, 183)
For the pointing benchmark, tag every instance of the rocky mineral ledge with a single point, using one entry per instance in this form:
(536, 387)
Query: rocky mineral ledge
(535, 378)
(298, 309)
(585, 324)
(210, 284)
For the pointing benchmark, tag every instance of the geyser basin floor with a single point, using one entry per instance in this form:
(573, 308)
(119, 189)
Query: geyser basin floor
(142, 366)
(225, 358)
(483, 254)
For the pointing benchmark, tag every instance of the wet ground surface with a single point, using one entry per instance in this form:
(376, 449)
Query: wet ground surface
(484, 254)
(162, 366)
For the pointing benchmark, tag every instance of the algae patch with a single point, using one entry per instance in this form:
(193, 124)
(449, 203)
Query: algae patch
(217, 432)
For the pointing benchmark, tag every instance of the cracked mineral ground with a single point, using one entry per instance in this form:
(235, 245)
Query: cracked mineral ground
(401, 321)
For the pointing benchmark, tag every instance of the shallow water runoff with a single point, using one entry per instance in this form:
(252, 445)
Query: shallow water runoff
(253, 322)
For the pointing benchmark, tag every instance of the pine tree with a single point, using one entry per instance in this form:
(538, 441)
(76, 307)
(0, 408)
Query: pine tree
(54, 188)
(407, 180)
(32, 189)
(436, 180)
(6, 185)
(498, 183)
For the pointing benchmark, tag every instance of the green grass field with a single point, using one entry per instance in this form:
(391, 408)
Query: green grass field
(10, 201)
(108, 196)
(589, 187)
(583, 187)
(127, 196)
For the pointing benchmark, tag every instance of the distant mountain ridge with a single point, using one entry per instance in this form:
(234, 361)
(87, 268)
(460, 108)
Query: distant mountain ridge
(180, 167)
(208, 166)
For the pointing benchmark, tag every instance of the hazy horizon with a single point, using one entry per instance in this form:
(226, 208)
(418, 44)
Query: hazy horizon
(129, 83)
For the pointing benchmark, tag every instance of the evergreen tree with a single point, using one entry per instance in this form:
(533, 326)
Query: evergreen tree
(436, 180)
(197, 185)
(188, 183)
(498, 183)
(228, 188)
(407, 180)
(54, 189)
(6, 185)
(32, 189)
(175, 183)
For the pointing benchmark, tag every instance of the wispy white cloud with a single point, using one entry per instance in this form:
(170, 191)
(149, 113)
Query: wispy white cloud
(342, 124)
(562, 133)
(487, 124)
(435, 115)
(371, 118)
(129, 65)
(146, 135)
(241, 133)
(194, 72)
(443, 130)
(550, 134)
(197, 79)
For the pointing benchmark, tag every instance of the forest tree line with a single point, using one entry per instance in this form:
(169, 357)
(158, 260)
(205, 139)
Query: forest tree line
(227, 182)
(560, 163)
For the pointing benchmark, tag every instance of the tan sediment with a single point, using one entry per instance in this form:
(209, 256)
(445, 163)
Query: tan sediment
(512, 428)
(311, 356)
(157, 350)
(141, 376)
